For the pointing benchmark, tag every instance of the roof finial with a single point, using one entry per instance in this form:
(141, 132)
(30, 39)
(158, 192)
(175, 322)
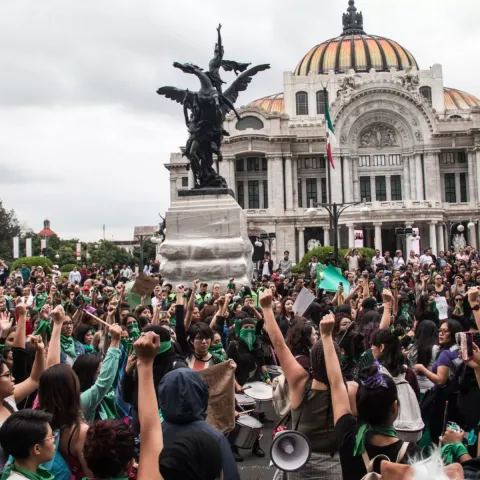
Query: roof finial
(352, 21)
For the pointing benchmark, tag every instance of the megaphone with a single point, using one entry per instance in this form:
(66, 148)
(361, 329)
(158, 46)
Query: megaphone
(290, 450)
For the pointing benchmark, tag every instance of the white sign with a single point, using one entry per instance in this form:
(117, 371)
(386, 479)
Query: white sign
(28, 247)
(79, 250)
(43, 243)
(358, 238)
(442, 307)
(304, 300)
(16, 247)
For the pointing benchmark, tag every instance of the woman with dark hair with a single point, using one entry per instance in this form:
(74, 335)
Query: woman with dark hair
(301, 337)
(445, 366)
(84, 335)
(310, 401)
(342, 321)
(424, 351)
(287, 316)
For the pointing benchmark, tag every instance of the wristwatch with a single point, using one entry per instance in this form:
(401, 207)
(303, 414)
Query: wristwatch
(476, 307)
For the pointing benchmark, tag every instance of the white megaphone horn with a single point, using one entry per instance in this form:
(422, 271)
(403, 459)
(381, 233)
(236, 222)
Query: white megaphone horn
(290, 450)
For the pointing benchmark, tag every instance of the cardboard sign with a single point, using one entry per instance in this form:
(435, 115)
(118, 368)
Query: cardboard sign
(144, 285)
(304, 300)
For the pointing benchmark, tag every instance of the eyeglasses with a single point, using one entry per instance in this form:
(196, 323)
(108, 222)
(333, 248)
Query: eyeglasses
(6, 374)
(200, 339)
(443, 330)
(67, 324)
(50, 437)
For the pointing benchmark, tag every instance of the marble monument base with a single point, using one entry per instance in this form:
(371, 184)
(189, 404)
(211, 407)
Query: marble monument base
(206, 238)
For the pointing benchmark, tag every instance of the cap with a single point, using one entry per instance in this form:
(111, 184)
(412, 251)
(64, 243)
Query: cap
(55, 266)
(204, 285)
(85, 289)
(100, 299)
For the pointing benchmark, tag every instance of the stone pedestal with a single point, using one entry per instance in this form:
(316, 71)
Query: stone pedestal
(206, 239)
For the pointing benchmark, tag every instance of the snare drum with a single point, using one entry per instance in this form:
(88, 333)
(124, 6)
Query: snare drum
(261, 393)
(274, 371)
(245, 403)
(246, 432)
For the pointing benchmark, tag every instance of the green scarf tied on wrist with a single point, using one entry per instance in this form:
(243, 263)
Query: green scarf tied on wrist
(248, 336)
(451, 452)
(133, 332)
(44, 326)
(88, 348)
(362, 432)
(40, 474)
(164, 347)
(68, 345)
(218, 351)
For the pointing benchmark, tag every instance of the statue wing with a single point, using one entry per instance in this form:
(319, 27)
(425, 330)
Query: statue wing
(176, 94)
(229, 65)
(241, 84)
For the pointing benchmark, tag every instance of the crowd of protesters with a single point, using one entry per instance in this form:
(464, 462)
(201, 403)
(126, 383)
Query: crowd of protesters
(93, 386)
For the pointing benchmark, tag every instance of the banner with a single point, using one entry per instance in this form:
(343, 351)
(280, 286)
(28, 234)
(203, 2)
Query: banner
(43, 244)
(16, 247)
(79, 250)
(358, 238)
(28, 247)
(331, 278)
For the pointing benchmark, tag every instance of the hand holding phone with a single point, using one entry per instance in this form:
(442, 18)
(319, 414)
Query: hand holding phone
(465, 342)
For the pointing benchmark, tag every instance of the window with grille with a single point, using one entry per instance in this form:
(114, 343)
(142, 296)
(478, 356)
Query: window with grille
(322, 98)
(365, 189)
(264, 164)
(311, 191)
(447, 157)
(299, 189)
(253, 164)
(450, 190)
(240, 194)
(239, 165)
(396, 187)
(395, 160)
(463, 187)
(379, 160)
(365, 161)
(462, 157)
(380, 189)
(323, 183)
(253, 194)
(265, 194)
(184, 181)
(426, 93)
(302, 103)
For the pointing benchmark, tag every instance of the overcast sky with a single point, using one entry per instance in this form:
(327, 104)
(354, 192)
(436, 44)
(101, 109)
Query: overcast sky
(84, 136)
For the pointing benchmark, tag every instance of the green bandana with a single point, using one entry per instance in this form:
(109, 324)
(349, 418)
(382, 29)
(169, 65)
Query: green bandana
(44, 326)
(40, 300)
(236, 323)
(88, 348)
(108, 407)
(68, 345)
(451, 452)
(164, 347)
(127, 345)
(366, 359)
(248, 336)
(133, 331)
(364, 429)
(218, 351)
(40, 474)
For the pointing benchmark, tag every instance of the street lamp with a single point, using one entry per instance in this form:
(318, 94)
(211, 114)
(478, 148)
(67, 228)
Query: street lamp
(334, 210)
(470, 224)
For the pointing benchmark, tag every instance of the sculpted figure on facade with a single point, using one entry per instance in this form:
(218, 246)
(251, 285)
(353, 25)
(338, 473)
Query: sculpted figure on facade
(313, 243)
(378, 136)
(347, 87)
(459, 242)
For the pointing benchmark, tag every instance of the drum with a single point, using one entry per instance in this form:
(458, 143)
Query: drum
(245, 403)
(246, 432)
(261, 393)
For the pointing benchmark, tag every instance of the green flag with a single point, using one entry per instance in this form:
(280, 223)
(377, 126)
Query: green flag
(331, 278)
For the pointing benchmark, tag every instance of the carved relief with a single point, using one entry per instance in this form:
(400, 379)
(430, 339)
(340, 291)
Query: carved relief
(418, 135)
(343, 138)
(347, 87)
(378, 136)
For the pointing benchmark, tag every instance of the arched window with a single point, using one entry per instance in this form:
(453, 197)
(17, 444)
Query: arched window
(322, 99)
(426, 93)
(249, 122)
(302, 103)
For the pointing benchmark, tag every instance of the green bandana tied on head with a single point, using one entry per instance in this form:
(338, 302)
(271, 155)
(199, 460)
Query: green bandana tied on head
(40, 474)
(164, 347)
(88, 348)
(133, 331)
(44, 326)
(248, 336)
(68, 345)
(364, 429)
(218, 351)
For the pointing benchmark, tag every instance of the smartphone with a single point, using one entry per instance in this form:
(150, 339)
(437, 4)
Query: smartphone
(465, 342)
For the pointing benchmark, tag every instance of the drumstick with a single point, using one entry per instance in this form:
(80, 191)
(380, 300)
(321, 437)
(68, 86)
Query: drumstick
(245, 412)
(97, 319)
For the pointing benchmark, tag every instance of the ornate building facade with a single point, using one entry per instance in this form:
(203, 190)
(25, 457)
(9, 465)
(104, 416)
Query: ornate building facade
(407, 148)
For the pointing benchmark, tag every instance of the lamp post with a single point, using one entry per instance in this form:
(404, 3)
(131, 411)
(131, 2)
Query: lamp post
(334, 210)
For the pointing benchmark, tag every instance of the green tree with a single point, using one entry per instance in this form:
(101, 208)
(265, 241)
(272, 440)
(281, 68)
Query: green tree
(9, 228)
(149, 252)
(108, 254)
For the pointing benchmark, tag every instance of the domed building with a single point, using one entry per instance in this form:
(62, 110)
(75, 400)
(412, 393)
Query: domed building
(407, 149)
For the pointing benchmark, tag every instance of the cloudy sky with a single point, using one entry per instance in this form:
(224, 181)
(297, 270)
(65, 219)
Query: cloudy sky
(83, 135)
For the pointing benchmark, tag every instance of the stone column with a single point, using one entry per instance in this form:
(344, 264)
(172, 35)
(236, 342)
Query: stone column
(191, 180)
(336, 179)
(433, 237)
(472, 237)
(477, 163)
(440, 238)
(388, 185)
(347, 179)
(351, 235)
(288, 182)
(378, 237)
(278, 192)
(356, 181)
(295, 181)
(406, 195)
(419, 176)
(270, 182)
(301, 243)
(413, 182)
(472, 197)
(326, 236)
(173, 188)
(431, 179)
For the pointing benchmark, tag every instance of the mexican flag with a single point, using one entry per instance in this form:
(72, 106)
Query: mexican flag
(330, 135)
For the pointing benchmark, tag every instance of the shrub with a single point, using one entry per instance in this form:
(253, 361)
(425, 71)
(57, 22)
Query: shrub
(32, 261)
(68, 267)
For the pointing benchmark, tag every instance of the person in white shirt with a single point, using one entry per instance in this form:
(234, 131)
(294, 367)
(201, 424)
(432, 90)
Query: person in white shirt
(426, 258)
(74, 276)
(377, 260)
(127, 273)
(352, 259)
(398, 261)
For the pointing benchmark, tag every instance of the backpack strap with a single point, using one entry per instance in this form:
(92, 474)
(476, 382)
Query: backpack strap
(369, 464)
(402, 452)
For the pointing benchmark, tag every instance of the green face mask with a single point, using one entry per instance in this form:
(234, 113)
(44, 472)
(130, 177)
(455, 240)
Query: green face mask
(248, 336)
